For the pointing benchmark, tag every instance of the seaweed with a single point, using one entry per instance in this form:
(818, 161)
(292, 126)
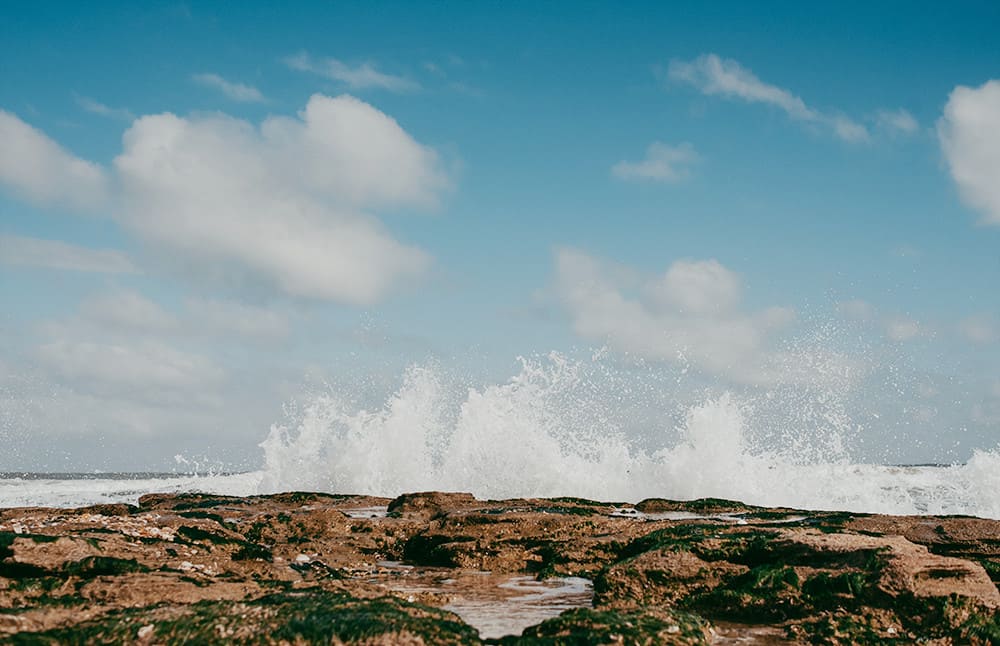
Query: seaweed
(92, 566)
(586, 626)
(433, 549)
(286, 617)
(764, 594)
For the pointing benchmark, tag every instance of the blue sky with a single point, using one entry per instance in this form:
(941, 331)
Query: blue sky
(722, 181)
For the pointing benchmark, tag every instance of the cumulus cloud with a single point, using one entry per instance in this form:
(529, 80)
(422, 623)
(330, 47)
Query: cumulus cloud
(691, 314)
(969, 133)
(24, 251)
(239, 92)
(40, 171)
(288, 204)
(282, 202)
(663, 163)
(702, 287)
(715, 76)
(357, 77)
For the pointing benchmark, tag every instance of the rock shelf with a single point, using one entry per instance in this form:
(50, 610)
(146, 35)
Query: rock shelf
(298, 568)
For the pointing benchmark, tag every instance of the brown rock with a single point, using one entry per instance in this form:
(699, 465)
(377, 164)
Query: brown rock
(430, 504)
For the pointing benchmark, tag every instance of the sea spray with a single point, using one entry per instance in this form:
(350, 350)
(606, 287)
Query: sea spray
(592, 427)
(561, 427)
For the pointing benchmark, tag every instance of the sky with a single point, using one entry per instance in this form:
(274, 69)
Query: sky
(210, 210)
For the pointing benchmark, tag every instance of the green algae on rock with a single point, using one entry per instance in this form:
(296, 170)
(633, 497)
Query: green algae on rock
(314, 617)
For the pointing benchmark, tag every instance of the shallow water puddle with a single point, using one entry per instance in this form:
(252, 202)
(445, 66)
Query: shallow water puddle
(495, 605)
(366, 512)
(733, 633)
(739, 519)
(535, 602)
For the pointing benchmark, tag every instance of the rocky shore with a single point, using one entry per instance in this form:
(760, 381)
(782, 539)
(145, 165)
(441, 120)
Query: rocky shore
(300, 568)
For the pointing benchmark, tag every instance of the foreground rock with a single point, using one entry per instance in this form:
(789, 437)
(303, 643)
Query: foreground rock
(314, 568)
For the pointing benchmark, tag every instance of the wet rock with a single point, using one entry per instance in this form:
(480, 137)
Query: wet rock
(701, 505)
(427, 505)
(284, 618)
(827, 587)
(647, 625)
(302, 567)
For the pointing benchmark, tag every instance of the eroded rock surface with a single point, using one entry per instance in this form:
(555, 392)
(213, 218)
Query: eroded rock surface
(315, 568)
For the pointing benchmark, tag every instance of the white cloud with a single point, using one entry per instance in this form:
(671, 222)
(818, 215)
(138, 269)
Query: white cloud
(128, 310)
(691, 314)
(236, 91)
(282, 203)
(24, 251)
(663, 163)
(848, 129)
(897, 121)
(696, 288)
(716, 76)
(713, 75)
(287, 204)
(222, 317)
(359, 77)
(125, 311)
(904, 329)
(39, 170)
(979, 329)
(969, 132)
(133, 365)
(98, 108)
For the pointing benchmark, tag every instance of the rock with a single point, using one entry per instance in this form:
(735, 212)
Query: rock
(701, 505)
(647, 625)
(301, 568)
(430, 504)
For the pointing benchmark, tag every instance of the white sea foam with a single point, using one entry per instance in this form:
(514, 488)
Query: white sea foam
(546, 433)
(79, 492)
(577, 428)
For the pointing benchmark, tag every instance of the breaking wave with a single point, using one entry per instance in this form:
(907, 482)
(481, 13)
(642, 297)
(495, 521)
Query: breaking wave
(561, 427)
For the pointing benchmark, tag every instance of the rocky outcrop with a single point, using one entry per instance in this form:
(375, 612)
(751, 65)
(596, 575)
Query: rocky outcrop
(304, 568)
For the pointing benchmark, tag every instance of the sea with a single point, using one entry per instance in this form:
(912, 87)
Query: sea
(560, 427)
